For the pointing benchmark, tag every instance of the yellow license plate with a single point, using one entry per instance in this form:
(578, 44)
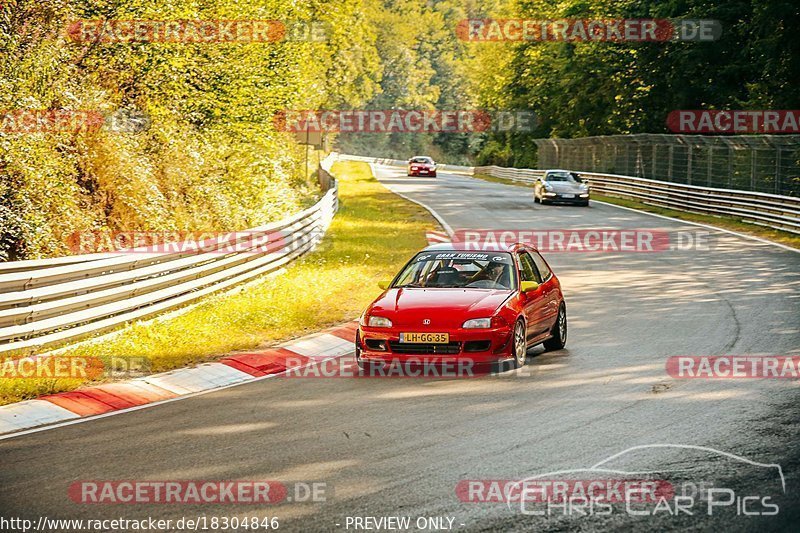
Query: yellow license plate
(432, 338)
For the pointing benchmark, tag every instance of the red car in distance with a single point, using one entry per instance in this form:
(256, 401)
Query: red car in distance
(421, 166)
(451, 304)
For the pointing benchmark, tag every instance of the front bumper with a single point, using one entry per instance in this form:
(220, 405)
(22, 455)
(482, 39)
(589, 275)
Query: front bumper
(566, 199)
(422, 173)
(480, 346)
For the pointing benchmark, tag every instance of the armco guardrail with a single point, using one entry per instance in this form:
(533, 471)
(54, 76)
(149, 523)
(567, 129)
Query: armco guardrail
(401, 163)
(378, 160)
(770, 210)
(51, 301)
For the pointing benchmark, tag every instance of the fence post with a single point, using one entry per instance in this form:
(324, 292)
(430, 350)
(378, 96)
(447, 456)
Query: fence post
(627, 159)
(731, 155)
(669, 164)
(639, 162)
(655, 156)
(778, 171)
(689, 166)
(710, 165)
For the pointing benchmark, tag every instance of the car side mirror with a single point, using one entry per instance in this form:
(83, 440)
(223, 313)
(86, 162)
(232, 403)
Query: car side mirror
(528, 286)
(384, 284)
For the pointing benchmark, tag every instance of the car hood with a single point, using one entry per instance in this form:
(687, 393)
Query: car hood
(443, 307)
(565, 187)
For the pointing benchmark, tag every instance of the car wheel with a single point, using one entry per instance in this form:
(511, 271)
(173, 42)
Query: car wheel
(559, 332)
(519, 345)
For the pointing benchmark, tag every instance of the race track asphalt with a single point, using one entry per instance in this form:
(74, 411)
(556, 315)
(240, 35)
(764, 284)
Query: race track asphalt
(399, 447)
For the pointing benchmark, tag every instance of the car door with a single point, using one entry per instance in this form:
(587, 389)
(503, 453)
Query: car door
(550, 291)
(533, 301)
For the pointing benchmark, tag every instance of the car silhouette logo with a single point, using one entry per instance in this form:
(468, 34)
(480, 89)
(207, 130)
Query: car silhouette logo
(426, 321)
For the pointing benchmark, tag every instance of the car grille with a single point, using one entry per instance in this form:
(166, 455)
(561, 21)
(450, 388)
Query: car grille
(425, 348)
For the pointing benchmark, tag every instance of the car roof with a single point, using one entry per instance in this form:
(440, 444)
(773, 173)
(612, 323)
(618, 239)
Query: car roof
(468, 247)
(558, 170)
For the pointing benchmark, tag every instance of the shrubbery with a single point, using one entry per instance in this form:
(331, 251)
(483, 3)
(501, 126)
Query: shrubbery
(210, 159)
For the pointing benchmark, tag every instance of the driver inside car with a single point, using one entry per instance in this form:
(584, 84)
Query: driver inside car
(495, 272)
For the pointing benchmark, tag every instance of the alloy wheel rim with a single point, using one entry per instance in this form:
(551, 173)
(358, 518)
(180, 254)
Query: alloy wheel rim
(562, 326)
(519, 343)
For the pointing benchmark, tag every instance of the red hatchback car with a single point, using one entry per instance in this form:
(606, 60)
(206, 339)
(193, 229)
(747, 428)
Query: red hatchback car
(451, 304)
(421, 166)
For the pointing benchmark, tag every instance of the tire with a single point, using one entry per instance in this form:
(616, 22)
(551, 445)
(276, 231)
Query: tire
(559, 332)
(519, 345)
(361, 364)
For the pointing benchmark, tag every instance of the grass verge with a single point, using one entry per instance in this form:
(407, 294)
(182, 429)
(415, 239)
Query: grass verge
(371, 237)
(729, 223)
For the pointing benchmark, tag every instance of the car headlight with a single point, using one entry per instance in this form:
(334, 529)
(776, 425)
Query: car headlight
(475, 323)
(379, 322)
(548, 187)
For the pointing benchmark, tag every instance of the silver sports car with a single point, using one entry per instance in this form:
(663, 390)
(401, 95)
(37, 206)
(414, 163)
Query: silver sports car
(561, 186)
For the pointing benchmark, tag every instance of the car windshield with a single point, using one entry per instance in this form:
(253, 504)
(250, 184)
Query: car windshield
(425, 160)
(560, 176)
(469, 270)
